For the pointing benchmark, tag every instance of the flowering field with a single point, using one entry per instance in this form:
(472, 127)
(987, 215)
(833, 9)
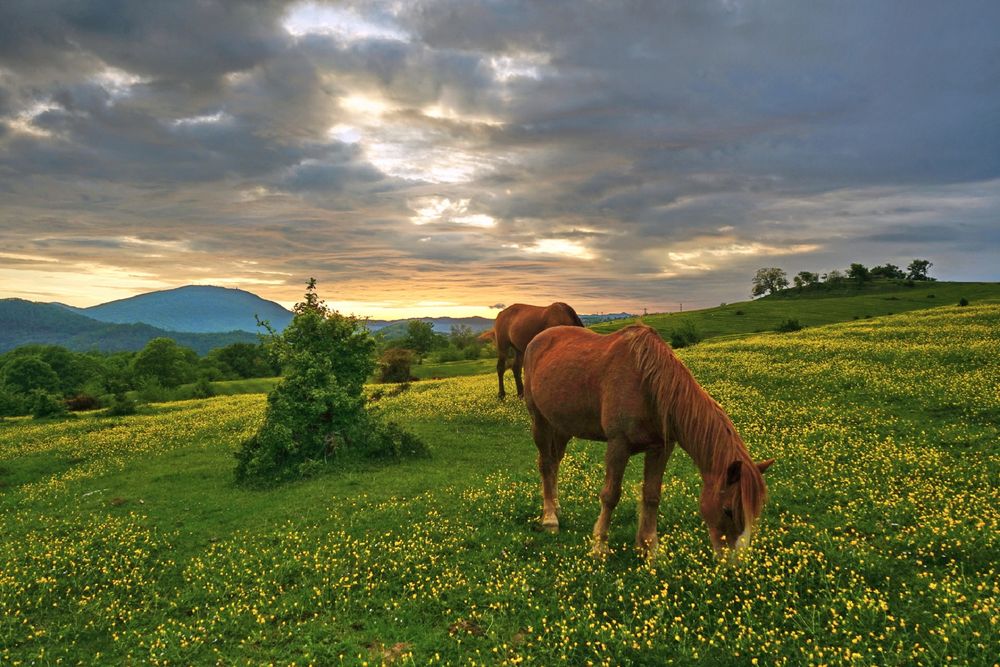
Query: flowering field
(125, 541)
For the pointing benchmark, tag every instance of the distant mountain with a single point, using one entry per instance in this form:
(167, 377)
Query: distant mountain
(23, 322)
(193, 309)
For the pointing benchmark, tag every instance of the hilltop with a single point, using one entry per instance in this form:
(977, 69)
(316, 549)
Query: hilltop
(812, 309)
(192, 309)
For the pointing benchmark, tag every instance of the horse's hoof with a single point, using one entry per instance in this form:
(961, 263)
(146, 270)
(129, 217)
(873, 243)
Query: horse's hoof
(500, 397)
(550, 527)
(600, 549)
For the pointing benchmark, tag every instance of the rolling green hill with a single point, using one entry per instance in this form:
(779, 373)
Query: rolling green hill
(814, 308)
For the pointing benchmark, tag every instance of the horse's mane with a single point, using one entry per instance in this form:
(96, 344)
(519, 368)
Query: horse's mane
(693, 418)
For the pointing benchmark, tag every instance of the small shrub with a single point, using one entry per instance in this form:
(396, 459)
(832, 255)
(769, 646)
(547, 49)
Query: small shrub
(788, 326)
(471, 351)
(963, 301)
(684, 335)
(203, 388)
(394, 365)
(11, 404)
(740, 312)
(121, 405)
(82, 402)
(931, 296)
(45, 405)
(151, 391)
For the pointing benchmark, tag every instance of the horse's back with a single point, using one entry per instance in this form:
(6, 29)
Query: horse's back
(584, 383)
(519, 323)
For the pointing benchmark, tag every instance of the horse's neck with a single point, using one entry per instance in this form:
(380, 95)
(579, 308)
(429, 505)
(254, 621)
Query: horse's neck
(700, 426)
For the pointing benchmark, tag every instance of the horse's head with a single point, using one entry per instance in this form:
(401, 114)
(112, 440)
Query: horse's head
(731, 503)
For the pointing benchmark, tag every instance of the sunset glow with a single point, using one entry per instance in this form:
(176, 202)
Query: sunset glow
(436, 158)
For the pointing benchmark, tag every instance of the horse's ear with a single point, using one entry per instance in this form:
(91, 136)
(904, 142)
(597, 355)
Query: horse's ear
(733, 472)
(764, 465)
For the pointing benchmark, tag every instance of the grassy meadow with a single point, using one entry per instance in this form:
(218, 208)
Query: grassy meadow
(124, 540)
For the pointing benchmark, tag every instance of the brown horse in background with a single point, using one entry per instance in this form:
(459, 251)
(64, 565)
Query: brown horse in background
(516, 325)
(630, 390)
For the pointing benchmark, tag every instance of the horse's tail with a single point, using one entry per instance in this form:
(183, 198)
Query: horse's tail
(487, 336)
(568, 309)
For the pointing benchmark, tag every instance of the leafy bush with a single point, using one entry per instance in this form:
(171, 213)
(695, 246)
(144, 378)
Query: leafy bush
(317, 413)
(151, 391)
(11, 404)
(789, 325)
(963, 301)
(472, 351)
(121, 406)
(394, 365)
(450, 353)
(202, 388)
(45, 405)
(684, 335)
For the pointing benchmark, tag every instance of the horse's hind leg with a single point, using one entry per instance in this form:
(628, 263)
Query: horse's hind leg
(549, 455)
(502, 345)
(652, 485)
(559, 442)
(518, 364)
(615, 460)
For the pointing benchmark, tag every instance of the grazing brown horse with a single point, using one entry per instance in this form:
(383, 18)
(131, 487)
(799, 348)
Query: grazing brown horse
(516, 325)
(630, 390)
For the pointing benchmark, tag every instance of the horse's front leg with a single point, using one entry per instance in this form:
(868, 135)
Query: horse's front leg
(615, 460)
(652, 486)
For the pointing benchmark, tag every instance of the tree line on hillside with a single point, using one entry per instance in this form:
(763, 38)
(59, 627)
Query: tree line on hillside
(48, 380)
(771, 280)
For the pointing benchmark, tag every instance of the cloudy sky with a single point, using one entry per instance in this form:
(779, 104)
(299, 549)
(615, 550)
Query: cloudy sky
(440, 157)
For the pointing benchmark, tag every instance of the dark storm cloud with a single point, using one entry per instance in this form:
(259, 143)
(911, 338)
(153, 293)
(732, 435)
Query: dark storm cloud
(608, 152)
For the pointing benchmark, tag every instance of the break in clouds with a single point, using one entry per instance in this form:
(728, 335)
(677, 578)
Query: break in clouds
(432, 157)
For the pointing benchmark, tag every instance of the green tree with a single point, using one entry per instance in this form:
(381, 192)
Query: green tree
(24, 374)
(419, 337)
(317, 412)
(165, 362)
(243, 360)
(834, 277)
(859, 273)
(890, 271)
(805, 279)
(917, 269)
(461, 335)
(768, 281)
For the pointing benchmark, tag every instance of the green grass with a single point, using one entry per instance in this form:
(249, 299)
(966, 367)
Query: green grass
(815, 308)
(247, 386)
(429, 370)
(124, 541)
